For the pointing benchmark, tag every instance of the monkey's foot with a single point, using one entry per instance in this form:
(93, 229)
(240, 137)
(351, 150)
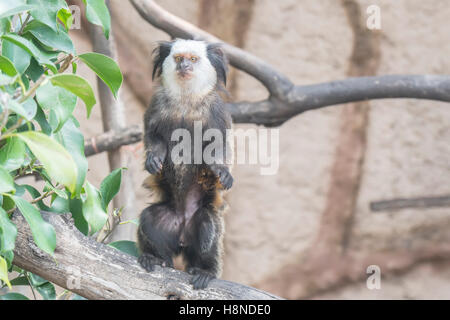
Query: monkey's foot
(224, 175)
(149, 261)
(200, 278)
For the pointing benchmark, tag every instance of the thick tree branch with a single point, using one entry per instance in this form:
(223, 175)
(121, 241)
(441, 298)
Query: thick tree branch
(287, 100)
(416, 203)
(96, 271)
(275, 111)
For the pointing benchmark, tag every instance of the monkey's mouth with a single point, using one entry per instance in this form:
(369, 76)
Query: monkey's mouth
(185, 75)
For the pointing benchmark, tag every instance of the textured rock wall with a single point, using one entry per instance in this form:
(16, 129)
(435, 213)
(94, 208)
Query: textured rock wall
(274, 218)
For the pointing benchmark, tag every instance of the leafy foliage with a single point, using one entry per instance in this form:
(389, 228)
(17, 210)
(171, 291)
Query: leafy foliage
(39, 90)
(128, 247)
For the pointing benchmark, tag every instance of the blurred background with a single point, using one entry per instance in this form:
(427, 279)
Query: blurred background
(308, 231)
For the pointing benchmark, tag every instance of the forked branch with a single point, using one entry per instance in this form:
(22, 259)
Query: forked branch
(287, 100)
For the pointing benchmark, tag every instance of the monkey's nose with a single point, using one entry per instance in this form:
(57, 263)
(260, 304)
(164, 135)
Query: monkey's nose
(184, 67)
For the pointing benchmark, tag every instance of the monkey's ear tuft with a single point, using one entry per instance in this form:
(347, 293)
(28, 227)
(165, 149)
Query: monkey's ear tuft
(160, 54)
(218, 61)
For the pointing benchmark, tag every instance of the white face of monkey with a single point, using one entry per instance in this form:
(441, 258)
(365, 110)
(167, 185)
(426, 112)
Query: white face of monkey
(187, 71)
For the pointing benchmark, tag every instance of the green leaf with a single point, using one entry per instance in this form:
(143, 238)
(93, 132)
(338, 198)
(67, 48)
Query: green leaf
(20, 190)
(20, 281)
(58, 163)
(27, 109)
(12, 154)
(8, 204)
(58, 192)
(25, 81)
(7, 67)
(12, 7)
(47, 291)
(6, 181)
(6, 80)
(110, 187)
(4, 272)
(92, 209)
(106, 68)
(47, 11)
(17, 55)
(48, 37)
(76, 208)
(72, 139)
(129, 247)
(30, 107)
(74, 67)
(13, 296)
(59, 101)
(41, 56)
(5, 26)
(43, 232)
(9, 257)
(65, 16)
(8, 232)
(34, 70)
(60, 205)
(78, 86)
(97, 13)
(36, 194)
(42, 120)
(36, 280)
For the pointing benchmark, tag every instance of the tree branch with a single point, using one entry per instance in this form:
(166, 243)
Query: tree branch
(287, 100)
(98, 271)
(416, 203)
(112, 140)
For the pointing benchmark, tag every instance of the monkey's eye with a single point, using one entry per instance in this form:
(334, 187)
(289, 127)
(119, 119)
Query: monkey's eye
(178, 59)
(194, 59)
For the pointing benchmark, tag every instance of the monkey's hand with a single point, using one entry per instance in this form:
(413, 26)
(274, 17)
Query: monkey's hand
(200, 278)
(224, 175)
(154, 161)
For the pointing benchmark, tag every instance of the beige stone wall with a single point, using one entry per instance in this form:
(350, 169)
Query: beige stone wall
(274, 218)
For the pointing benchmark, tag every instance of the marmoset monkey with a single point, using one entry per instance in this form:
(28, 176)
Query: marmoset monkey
(187, 217)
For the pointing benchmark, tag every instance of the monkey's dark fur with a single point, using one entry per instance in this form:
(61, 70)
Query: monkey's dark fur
(187, 217)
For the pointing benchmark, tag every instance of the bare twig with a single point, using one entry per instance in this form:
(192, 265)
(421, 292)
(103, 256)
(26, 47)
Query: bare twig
(33, 89)
(24, 23)
(112, 140)
(286, 100)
